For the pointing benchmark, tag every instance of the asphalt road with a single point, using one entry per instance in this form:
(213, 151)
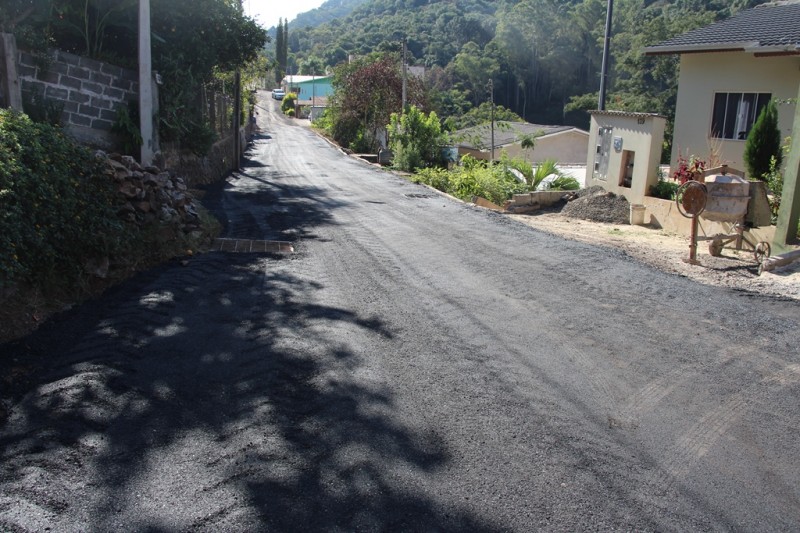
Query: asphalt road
(418, 364)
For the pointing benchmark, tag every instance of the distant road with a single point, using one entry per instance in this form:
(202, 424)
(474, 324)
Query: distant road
(418, 364)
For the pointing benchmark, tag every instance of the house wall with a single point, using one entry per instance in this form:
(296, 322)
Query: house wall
(642, 135)
(320, 87)
(568, 147)
(701, 75)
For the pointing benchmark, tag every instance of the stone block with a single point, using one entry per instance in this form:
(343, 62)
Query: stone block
(112, 70)
(27, 59)
(47, 77)
(59, 68)
(69, 59)
(521, 199)
(119, 83)
(80, 73)
(108, 114)
(26, 71)
(79, 120)
(31, 85)
(79, 97)
(89, 111)
(68, 81)
(102, 79)
(130, 75)
(70, 107)
(92, 87)
(102, 103)
(116, 94)
(56, 93)
(100, 124)
(91, 64)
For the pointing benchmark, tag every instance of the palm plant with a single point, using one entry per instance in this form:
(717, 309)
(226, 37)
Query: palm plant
(543, 170)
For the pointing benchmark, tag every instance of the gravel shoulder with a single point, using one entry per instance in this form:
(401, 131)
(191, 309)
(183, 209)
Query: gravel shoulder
(665, 251)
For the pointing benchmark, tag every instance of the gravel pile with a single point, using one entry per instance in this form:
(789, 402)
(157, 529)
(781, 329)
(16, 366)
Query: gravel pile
(597, 205)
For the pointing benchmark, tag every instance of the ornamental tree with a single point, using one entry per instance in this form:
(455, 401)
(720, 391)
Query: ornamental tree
(366, 93)
(763, 143)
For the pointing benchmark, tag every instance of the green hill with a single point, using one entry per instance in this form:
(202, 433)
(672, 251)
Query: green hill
(541, 55)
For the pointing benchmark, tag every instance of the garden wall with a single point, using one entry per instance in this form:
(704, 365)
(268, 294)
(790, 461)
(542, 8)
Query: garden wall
(87, 94)
(664, 214)
(90, 91)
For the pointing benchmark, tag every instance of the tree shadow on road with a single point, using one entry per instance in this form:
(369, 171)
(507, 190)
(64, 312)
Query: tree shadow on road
(219, 396)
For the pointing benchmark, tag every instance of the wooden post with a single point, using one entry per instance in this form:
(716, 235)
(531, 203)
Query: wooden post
(789, 213)
(10, 80)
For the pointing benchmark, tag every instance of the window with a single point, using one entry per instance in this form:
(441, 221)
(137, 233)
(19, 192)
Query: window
(734, 114)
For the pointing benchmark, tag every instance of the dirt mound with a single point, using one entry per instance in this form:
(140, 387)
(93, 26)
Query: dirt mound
(597, 205)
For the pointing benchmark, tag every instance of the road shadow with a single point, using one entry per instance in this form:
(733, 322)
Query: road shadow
(215, 396)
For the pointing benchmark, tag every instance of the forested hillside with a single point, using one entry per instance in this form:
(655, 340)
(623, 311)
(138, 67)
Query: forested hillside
(332, 9)
(543, 56)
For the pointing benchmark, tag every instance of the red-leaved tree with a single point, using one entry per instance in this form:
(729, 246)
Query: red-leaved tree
(366, 93)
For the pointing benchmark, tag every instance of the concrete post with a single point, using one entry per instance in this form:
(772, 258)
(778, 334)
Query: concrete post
(10, 80)
(145, 84)
(786, 230)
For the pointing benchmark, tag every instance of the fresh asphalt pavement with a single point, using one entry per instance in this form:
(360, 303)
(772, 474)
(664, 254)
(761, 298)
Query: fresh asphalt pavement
(417, 364)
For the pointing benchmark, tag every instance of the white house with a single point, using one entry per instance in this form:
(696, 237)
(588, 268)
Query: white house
(728, 72)
(565, 144)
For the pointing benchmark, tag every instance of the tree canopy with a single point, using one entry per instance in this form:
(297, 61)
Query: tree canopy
(544, 56)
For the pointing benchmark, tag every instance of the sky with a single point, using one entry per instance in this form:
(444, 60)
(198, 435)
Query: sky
(267, 12)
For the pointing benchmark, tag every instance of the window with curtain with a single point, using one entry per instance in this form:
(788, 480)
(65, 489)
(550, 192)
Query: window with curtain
(735, 113)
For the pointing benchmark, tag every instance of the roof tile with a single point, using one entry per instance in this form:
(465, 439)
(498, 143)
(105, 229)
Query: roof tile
(767, 25)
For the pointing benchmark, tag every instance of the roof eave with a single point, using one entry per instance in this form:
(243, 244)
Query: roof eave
(698, 48)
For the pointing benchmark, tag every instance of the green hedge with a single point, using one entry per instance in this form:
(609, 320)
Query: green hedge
(56, 205)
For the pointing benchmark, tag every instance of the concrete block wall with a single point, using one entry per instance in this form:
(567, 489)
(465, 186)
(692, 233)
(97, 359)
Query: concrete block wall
(90, 90)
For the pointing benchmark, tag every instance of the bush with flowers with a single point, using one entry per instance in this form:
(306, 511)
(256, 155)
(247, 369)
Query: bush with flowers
(689, 169)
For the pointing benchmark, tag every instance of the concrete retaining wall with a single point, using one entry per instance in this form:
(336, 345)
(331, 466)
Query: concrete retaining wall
(664, 214)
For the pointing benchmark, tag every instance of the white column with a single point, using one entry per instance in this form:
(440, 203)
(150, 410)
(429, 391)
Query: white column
(145, 84)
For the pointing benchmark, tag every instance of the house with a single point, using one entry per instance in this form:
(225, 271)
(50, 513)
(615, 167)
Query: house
(565, 144)
(728, 72)
(308, 87)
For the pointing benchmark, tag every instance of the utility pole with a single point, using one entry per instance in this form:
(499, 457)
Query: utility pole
(145, 84)
(601, 104)
(237, 113)
(405, 75)
(491, 96)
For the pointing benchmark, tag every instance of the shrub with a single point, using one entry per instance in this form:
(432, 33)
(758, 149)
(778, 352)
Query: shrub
(664, 189)
(56, 205)
(473, 178)
(763, 143)
(126, 127)
(416, 139)
(288, 103)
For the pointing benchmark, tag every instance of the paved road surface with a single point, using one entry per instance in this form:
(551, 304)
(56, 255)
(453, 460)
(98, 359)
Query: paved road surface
(418, 364)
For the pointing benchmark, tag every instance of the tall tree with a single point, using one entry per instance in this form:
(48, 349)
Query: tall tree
(280, 43)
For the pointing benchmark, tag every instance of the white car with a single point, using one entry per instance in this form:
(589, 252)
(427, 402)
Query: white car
(278, 94)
